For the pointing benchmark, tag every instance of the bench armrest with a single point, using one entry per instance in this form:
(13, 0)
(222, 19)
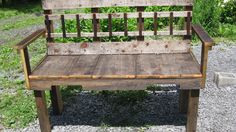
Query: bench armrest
(207, 43)
(31, 38)
(203, 36)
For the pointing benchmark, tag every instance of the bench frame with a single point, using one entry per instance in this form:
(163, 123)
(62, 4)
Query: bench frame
(188, 99)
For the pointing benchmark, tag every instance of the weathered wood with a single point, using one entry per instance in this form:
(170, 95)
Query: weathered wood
(49, 25)
(130, 33)
(115, 84)
(117, 66)
(120, 15)
(183, 101)
(202, 34)
(42, 110)
(31, 38)
(171, 23)
(78, 26)
(155, 24)
(96, 23)
(140, 24)
(26, 65)
(56, 99)
(204, 60)
(110, 25)
(63, 26)
(61, 4)
(188, 21)
(192, 111)
(125, 24)
(132, 47)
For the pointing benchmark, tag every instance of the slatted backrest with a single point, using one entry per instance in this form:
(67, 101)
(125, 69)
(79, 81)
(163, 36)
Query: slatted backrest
(95, 16)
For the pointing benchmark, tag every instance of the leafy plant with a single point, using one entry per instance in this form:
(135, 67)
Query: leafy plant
(229, 12)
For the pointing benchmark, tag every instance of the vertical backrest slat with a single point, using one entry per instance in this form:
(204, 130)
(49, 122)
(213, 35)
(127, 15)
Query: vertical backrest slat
(188, 24)
(171, 23)
(63, 26)
(155, 23)
(110, 25)
(96, 24)
(125, 25)
(188, 21)
(48, 23)
(78, 26)
(140, 23)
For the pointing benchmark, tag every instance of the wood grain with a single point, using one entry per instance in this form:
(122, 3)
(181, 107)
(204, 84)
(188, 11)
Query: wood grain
(62, 4)
(117, 66)
(132, 47)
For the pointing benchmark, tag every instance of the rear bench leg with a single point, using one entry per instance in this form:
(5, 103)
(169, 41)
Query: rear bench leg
(183, 101)
(42, 111)
(56, 99)
(192, 111)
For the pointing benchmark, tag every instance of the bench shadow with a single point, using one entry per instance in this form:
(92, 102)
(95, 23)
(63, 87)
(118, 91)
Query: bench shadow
(121, 108)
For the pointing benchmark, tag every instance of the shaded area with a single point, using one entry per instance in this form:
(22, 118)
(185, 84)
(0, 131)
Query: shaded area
(121, 108)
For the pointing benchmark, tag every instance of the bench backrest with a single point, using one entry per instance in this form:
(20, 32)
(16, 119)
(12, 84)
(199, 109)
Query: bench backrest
(95, 16)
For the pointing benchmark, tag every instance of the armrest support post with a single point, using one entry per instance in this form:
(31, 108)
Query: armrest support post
(26, 64)
(207, 44)
(203, 67)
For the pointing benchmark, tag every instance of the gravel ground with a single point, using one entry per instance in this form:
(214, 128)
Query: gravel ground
(89, 112)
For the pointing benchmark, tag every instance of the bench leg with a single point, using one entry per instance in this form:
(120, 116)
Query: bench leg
(56, 99)
(42, 111)
(183, 101)
(192, 110)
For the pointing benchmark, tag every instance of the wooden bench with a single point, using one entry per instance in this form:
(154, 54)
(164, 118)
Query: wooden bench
(117, 65)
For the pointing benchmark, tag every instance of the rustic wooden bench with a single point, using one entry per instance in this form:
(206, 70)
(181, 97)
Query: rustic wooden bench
(117, 65)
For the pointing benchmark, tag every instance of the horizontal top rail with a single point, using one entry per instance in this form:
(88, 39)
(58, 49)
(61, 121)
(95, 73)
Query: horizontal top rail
(119, 15)
(73, 4)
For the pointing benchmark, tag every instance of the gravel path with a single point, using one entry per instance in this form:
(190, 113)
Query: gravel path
(89, 112)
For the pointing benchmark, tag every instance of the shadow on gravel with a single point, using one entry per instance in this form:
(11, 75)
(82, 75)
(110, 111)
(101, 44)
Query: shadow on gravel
(130, 108)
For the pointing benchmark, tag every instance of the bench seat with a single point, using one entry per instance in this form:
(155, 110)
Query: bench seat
(118, 66)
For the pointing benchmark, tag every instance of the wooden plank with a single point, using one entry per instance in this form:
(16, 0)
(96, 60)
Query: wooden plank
(61, 4)
(96, 23)
(125, 24)
(118, 66)
(202, 34)
(204, 60)
(26, 65)
(140, 24)
(115, 84)
(192, 111)
(42, 111)
(130, 33)
(78, 26)
(49, 25)
(166, 65)
(155, 24)
(120, 15)
(110, 25)
(188, 22)
(132, 47)
(63, 25)
(31, 38)
(171, 23)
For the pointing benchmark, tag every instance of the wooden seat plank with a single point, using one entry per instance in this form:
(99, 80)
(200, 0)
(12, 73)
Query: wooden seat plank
(115, 66)
(118, 66)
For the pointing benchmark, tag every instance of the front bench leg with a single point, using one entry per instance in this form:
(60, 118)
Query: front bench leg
(56, 99)
(42, 111)
(192, 110)
(183, 101)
